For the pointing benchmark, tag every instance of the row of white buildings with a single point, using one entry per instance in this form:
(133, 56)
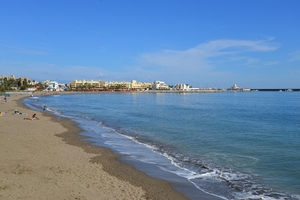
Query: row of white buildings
(97, 85)
(124, 85)
(132, 85)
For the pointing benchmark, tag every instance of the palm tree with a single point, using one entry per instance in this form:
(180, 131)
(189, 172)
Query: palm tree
(19, 82)
(25, 82)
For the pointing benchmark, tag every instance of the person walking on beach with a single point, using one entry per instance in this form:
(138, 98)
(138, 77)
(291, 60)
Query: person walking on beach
(34, 117)
(44, 109)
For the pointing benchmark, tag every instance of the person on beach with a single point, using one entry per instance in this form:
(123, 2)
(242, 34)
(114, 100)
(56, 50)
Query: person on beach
(44, 109)
(18, 113)
(34, 117)
(2, 113)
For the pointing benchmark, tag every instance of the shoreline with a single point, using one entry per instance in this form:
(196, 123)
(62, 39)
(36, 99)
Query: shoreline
(115, 165)
(24, 162)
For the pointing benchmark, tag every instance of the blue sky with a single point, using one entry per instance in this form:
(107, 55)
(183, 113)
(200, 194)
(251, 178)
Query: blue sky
(205, 43)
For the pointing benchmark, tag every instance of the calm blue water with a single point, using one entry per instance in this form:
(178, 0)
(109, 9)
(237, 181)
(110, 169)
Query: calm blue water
(234, 145)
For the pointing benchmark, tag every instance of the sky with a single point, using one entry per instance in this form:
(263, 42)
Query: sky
(203, 43)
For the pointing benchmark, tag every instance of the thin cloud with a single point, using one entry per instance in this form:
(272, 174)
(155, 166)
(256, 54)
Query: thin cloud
(25, 51)
(251, 61)
(237, 46)
(29, 51)
(295, 56)
(272, 63)
(200, 56)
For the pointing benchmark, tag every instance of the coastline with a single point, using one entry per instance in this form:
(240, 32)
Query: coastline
(46, 159)
(118, 167)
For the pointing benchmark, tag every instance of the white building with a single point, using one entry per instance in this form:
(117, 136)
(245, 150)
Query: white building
(182, 86)
(52, 86)
(235, 87)
(160, 85)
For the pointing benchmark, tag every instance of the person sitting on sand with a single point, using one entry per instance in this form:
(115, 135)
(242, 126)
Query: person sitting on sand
(2, 113)
(34, 117)
(5, 99)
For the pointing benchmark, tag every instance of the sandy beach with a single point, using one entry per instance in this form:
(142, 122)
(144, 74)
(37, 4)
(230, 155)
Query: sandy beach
(46, 159)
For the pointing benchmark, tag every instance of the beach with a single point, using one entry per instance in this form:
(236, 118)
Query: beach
(47, 159)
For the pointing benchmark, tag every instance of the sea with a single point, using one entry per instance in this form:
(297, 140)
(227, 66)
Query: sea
(232, 145)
